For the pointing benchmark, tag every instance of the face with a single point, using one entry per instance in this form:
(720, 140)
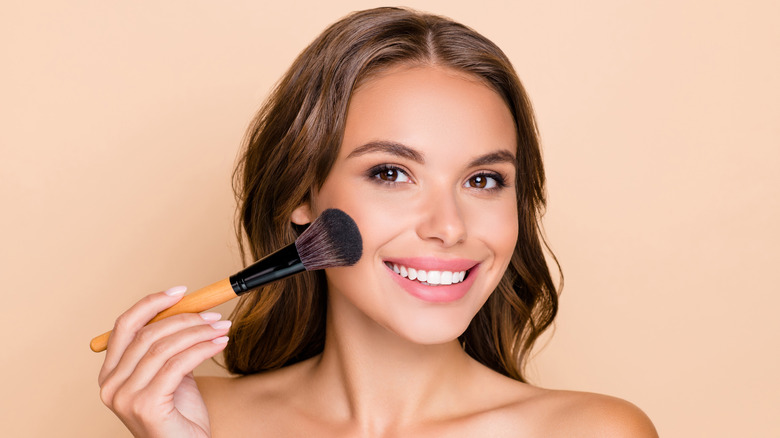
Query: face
(427, 170)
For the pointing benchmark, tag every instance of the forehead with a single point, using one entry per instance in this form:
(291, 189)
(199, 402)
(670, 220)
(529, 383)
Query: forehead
(428, 106)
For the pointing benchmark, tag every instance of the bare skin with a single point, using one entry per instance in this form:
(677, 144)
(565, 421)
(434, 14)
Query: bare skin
(426, 169)
(495, 406)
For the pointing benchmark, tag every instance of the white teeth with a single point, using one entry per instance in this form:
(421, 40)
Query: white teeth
(430, 277)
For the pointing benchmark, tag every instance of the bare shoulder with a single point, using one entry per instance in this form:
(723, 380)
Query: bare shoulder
(584, 414)
(233, 402)
(514, 408)
(222, 395)
(214, 388)
(265, 384)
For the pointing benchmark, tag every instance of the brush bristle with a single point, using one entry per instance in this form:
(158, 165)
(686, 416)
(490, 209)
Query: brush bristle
(332, 240)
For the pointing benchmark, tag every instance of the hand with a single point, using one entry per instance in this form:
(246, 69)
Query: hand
(146, 378)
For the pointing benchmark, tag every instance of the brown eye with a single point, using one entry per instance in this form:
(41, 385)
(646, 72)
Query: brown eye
(485, 181)
(389, 175)
(478, 181)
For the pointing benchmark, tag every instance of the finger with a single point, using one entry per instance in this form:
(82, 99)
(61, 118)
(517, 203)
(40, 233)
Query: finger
(164, 350)
(148, 336)
(155, 355)
(177, 367)
(132, 320)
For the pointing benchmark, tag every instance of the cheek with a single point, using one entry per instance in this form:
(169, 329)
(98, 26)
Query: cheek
(506, 229)
(375, 219)
(378, 217)
(496, 225)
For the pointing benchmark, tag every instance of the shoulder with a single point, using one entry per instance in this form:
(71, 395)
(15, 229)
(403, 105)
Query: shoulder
(584, 414)
(265, 385)
(214, 388)
(230, 402)
(233, 402)
(225, 393)
(222, 395)
(514, 408)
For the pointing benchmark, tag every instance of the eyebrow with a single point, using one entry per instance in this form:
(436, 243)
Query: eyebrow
(501, 156)
(401, 150)
(388, 147)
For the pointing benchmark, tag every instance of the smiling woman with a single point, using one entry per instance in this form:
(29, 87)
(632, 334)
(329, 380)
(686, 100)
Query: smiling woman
(416, 141)
(419, 129)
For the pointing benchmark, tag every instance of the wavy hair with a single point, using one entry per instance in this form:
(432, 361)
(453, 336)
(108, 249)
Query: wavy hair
(291, 146)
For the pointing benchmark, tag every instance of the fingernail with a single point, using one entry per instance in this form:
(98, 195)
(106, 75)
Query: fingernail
(176, 290)
(220, 340)
(222, 325)
(210, 316)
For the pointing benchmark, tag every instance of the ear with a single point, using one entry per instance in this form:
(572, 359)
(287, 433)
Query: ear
(302, 214)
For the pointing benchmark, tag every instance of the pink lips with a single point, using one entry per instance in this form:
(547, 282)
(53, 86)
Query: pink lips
(438, 293)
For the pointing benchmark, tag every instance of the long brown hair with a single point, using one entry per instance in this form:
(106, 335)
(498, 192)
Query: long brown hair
(291, 146)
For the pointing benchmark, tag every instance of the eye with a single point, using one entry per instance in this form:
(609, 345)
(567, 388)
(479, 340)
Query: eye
(485, 181)
(389, 174)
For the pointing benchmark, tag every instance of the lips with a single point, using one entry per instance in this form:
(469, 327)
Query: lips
(433, 280)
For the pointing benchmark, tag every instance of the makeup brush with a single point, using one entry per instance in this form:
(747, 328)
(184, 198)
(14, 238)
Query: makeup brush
(332, 240)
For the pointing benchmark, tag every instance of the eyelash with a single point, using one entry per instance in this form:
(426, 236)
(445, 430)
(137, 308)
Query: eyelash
(373, 174)
(498, 178)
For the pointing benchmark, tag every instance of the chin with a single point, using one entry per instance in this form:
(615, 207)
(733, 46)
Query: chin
(432, 329)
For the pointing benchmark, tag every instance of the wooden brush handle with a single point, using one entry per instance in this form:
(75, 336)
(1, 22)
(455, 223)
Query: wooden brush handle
(198, 301)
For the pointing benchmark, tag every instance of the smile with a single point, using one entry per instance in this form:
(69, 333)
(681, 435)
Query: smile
(428, 277)
(434, 280)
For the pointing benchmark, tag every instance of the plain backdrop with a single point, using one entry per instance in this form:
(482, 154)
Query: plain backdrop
(121, 123)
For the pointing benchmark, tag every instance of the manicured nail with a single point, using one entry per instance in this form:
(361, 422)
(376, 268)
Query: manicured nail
(220, 340)
(210, 316)
(176, 290)
(222, 325)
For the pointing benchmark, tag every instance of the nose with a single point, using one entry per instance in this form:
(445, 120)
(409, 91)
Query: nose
(442, 220)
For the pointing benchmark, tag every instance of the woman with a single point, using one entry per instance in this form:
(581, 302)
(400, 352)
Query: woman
(419, 129)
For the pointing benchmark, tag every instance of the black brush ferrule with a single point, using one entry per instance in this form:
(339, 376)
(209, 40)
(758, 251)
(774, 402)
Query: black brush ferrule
(275, 266)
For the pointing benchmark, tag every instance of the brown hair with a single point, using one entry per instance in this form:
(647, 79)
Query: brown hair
(291, 146)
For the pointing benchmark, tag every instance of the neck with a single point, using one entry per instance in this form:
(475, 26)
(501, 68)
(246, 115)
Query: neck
(377, 380)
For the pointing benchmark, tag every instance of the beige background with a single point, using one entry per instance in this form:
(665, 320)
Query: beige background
(120, 127)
